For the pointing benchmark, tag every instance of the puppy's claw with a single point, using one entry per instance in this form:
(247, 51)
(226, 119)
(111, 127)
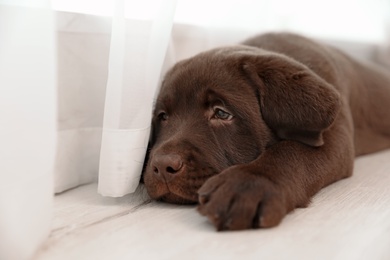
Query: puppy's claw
(215, 218)
(204, 198)
(218, 222)
(227, 224)
(272, 215)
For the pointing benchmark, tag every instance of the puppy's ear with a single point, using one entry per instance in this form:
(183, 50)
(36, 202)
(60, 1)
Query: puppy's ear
(295, 102)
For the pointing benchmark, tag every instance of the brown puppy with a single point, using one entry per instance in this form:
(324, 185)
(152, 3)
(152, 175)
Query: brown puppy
(254, 131)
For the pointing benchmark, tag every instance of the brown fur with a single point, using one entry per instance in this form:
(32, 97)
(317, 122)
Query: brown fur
(255, 130)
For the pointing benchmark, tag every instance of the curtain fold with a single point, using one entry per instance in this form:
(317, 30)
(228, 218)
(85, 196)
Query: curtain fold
(27, 127)
(83, 53)
(137, 52)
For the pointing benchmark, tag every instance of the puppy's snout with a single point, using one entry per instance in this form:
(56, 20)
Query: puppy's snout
(167, 166)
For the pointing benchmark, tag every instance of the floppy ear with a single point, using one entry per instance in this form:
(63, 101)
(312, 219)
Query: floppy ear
(295, 102)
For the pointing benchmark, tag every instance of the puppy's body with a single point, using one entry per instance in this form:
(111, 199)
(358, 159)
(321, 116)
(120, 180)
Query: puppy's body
(258, 129)
(364, 86)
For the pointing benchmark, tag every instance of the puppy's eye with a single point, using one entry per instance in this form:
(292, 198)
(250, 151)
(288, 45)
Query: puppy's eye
(221, 114)
(162, 116)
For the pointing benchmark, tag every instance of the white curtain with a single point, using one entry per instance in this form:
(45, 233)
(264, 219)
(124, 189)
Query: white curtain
(109, 70)
(27, 127)
(76, 99)
(137, 52)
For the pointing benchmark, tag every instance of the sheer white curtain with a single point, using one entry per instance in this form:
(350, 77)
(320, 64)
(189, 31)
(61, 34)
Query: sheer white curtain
(27, 126)
(137, 53)
(109, 69)
(76, 95)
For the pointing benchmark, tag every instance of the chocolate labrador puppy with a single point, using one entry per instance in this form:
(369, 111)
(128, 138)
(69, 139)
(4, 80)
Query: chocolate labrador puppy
(252, 131)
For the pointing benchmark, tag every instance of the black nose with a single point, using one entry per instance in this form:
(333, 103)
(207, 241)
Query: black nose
(167, 166)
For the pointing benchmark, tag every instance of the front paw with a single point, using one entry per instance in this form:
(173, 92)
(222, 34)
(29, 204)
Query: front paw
(237, 199)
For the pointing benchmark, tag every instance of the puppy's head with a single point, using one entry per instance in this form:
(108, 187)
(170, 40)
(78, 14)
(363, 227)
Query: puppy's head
(225, 107)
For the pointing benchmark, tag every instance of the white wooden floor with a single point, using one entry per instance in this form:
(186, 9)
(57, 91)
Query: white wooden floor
(347, 220)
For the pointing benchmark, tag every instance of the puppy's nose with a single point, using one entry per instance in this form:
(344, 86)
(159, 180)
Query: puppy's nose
(167, 166)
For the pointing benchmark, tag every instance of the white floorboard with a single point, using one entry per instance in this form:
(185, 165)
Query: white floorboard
(347, 220)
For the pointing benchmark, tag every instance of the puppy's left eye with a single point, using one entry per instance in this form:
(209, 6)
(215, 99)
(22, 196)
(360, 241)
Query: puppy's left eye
(222, 114)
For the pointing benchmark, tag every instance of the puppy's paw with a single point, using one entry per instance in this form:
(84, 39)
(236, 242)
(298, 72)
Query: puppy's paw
(236, 200)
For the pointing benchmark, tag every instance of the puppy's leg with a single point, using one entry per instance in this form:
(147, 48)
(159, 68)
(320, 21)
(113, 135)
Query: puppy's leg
(285, 176)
